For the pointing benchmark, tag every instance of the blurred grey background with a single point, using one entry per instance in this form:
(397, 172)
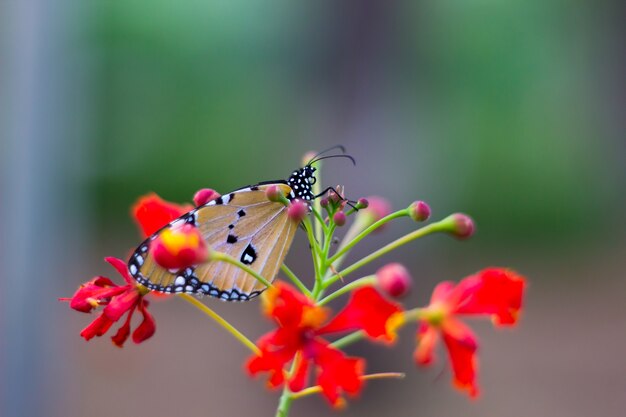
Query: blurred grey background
(510, 111)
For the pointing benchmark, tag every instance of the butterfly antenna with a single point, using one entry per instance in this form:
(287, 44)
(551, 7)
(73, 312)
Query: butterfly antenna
(332, 156)
(332, 148)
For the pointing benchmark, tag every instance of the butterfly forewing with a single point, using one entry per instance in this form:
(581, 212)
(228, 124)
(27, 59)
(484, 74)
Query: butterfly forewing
(243, 224)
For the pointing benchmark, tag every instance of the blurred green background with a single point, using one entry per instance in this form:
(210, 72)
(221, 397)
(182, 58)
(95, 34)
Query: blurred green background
(511, 111)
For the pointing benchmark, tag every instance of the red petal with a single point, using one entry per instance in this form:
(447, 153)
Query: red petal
(442, 292)
(122, 333)
(427, 337)
(338, 374)
(497, 292)
(285, 305)
(299, 379)
(272, 361)
(460, 331)
(147, 327)
(98, 327)
(121, 267)
(122, 303)
(367, 310)
(93, 293)
(462, 353)
(152, 213)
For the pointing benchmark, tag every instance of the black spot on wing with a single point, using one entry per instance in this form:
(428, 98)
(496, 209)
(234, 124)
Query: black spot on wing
(241, 213)
(249, 255)
(231, 239)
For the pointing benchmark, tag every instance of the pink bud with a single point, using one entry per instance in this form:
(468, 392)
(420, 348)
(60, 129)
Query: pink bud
(463, 227)
(394, 279)
(339, 218)
(324, 202)
(179, 248)
(362, 203)
(419, 211)
(205, 195)
(297, 210)
(274, 194)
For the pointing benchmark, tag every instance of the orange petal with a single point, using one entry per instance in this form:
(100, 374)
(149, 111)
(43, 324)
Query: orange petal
(151, 213)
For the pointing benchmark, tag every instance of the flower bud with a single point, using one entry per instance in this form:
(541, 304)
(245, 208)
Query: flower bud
(297, 210)
(274, 194)
(362, 203)
(205, 195)
(339, 218)
(336, 197)
(179, 248)
(419, 211)
(462, 225)
(324, 202)
(394, 280)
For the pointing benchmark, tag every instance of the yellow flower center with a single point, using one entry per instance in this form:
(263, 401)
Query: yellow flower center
(313, 316)
(435, 314)
(175, 241)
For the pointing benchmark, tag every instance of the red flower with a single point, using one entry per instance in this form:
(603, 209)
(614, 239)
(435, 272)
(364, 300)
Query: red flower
(179, 248)
(117, 300)
(299, 334)
(492, 292)
(151, 213)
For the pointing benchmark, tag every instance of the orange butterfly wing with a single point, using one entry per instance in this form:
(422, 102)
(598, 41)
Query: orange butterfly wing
(243, 224)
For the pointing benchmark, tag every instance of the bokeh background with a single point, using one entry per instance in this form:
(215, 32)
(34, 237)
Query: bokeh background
(512, 111)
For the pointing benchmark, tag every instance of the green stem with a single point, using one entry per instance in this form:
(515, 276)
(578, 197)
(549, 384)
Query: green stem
(408, 317)
(219, 320)
(284, 404)
(365, 232)
(349, 339)
(317, 188)
(295, 280)
(318, 223)
(317, 389)
(441, 226)
(221, 256)
(352, 232)
(361, 282)
(315, 253)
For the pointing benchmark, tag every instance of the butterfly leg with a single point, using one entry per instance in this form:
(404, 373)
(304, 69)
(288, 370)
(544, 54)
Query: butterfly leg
(348, 202)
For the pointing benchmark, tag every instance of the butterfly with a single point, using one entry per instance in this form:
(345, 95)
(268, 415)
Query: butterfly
(245, 225)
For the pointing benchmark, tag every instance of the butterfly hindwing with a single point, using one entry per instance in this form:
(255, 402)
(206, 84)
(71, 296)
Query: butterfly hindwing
(245, 225)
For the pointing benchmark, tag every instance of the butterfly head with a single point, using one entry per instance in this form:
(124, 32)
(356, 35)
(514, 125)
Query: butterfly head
(301, 182)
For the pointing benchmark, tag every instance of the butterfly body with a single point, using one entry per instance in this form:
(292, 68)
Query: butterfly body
(245, 225)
